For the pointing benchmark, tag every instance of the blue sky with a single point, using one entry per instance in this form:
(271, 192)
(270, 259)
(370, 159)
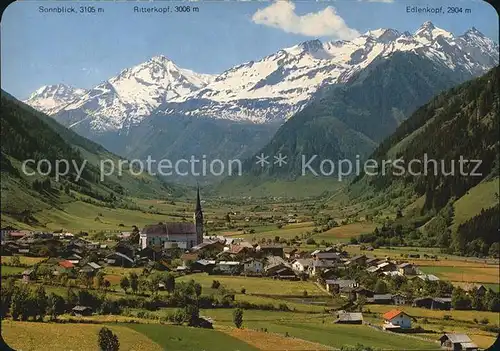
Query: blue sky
(83, 50)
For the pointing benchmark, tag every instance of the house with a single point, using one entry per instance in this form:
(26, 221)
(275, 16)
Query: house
(407, 269)
(184, 235)
(362, 292)
(271, 250)
(479, 289)
(253, 266)
(373, 261)
(66, 265)
(442, 303)
(433, 303)
(240, 249)
(429, 277)
(340, 285)
(208, 245)
(381, 299)
(331, 256)
(90, 268)
(290, 252)
(16, 235)
(373, 269)
(349, 318)
(392, 273)
(188, 258)
(302, 265)
(277, 266)
(229, 267)
(119, 259)
(423, 302)
(396, 319)
(386, 266)
(81, 311)
(28, 275)
(457, 342)
(398, 299)
(320, 265)
(206, 266)
(359, 260)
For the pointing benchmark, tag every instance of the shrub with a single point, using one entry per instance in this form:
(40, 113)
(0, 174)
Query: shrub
(447, 317)
(484, 321)
(243, 290)
(107, 340)
(238, 317)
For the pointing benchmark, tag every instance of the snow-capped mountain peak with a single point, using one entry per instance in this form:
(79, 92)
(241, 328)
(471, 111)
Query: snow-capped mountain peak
(271, 88)
(428, 32)
(133, 94)
(51, 97)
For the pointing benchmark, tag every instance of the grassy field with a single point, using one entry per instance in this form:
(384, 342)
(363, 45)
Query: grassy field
(345, 232)
(180, 338)
(24, 259)
(8, 270)
(72, 336)
(460, 322)
(299, 305)
(466, 316)
(256, 285)
(319, 328)
(271, 341)
(464, 273)
(479, 197)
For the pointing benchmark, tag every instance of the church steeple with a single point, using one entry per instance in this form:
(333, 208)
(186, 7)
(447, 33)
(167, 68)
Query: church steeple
(198, 218)
(198, 202)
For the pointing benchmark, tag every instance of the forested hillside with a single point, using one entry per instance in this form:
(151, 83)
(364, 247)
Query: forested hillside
(460, 123)
(28, 134)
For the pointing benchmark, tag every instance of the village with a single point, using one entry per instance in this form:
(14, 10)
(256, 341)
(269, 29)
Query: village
(354, 282)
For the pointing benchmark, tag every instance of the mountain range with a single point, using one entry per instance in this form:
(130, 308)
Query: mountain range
(238, 111)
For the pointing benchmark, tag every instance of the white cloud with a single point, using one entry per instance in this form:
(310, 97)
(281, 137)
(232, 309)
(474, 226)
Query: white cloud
(326, 22)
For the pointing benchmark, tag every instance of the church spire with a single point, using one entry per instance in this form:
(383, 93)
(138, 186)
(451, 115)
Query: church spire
(198, 202)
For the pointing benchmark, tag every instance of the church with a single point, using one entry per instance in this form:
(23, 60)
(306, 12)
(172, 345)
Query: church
(183, 235)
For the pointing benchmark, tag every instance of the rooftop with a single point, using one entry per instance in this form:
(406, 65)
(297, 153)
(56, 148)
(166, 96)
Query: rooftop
(392, 314)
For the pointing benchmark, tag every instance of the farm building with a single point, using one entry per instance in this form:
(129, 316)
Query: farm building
(433, 303)
(381, 299)
(119, 259)
(386, 266)
(208, 245)
(396, 319)
(429, 277)
(362, 291)
(229, 267)
(340, 285)
(373, 261)
(28, 275)
(407, 269)
(203, 266)
(457, 342)
(302, 264)
(398, 299)
(271, 250)
(479, 289)
(357, 260)
(253, 265)
(331, 256)
(81, 311)
(349, 318)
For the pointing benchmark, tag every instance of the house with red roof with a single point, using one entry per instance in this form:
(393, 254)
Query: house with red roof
(396, 319)
(66, 264)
